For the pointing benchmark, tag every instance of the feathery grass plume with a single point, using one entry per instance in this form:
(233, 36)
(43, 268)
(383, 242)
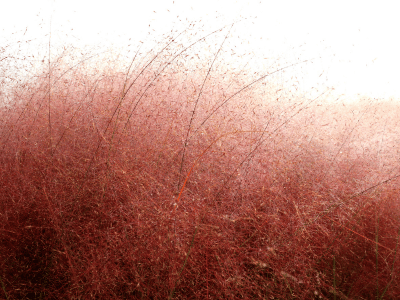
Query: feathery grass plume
(175, 176)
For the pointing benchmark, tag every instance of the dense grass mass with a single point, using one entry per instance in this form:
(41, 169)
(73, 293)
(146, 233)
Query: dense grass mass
(163, 181)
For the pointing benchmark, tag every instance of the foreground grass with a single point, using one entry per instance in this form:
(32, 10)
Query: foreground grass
(141, 185)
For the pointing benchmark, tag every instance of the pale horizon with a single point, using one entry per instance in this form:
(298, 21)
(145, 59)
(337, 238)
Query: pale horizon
(353, 44)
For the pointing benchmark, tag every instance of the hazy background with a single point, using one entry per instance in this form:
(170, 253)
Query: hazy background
(355, 42)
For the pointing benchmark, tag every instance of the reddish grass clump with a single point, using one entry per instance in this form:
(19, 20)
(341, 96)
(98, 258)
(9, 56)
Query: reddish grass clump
(141, 185)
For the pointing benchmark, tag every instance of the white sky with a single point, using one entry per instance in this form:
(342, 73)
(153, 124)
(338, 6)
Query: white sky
(357, 40)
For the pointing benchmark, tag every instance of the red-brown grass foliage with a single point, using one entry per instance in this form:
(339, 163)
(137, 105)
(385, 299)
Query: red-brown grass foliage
(163, 181)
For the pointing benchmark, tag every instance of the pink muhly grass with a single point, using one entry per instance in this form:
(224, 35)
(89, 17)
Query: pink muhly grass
(140, 185)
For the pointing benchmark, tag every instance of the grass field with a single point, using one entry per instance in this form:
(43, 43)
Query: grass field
(164, 180)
